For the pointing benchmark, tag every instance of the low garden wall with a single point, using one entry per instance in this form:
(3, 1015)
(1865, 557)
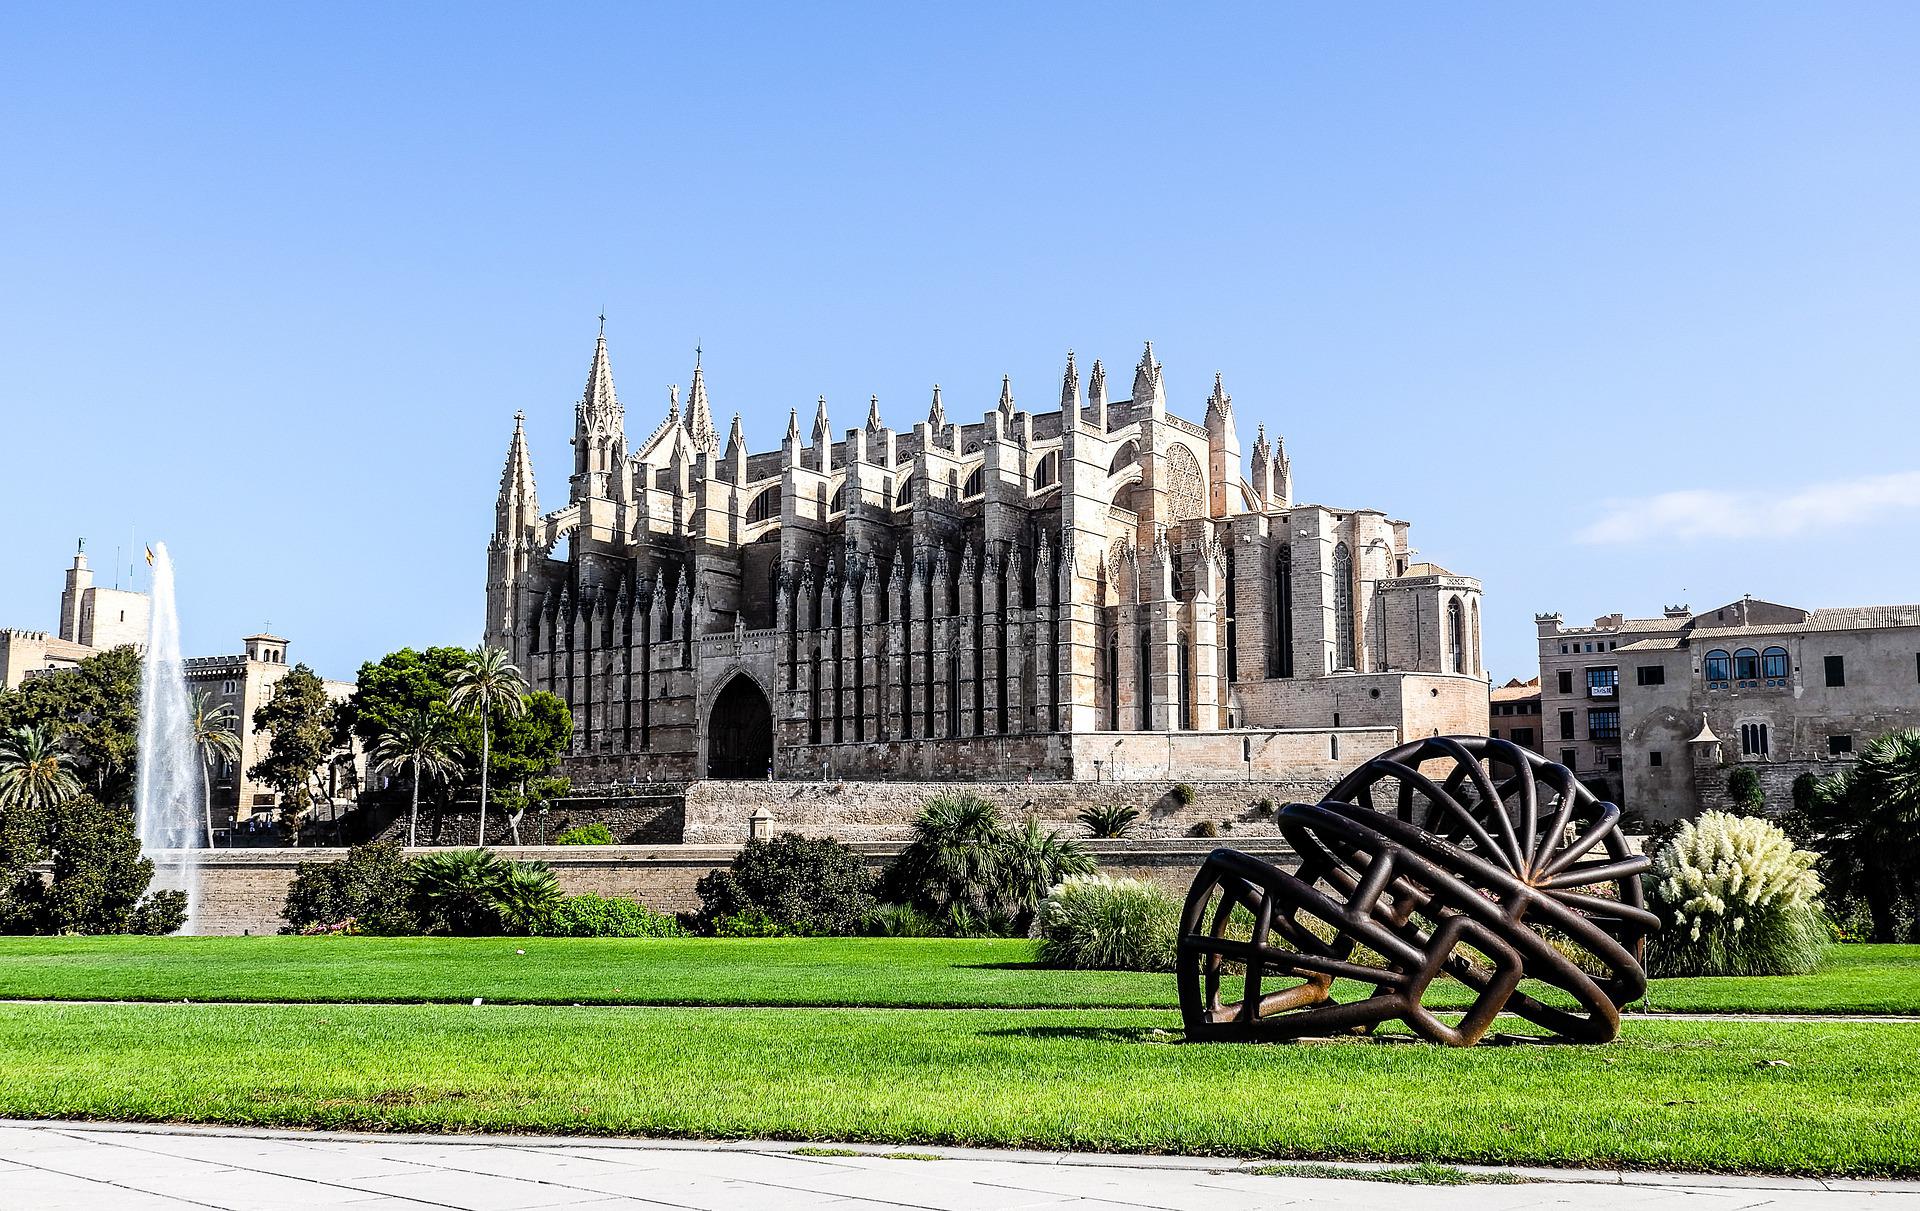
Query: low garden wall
(243, 891)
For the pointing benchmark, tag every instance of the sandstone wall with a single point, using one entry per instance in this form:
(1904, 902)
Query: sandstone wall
(243, 891)
(717, 813)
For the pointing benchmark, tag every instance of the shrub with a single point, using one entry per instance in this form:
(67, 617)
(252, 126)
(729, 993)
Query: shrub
(591, 916)
(899, 921)
(1182, 794)
(1743, 787)
(586, 834)
(1737, 899)
(369, 887)
(1804, 788)
(1109, 819)
(1205, 828)
(802, 885)
(749, 923)
(526, 896)
(1095, 921)
(99, 880)
(968, 871)
(454, 891)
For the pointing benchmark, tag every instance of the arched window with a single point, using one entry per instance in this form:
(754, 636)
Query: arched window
(1123, 499)
(1280, 660)
(1773, 666)
(1718, 666)
(1125, 456)
(904, 495)
(839, 502)
(765, 507)
(1456, 636)
(1113, 684)
(1342, 607)
(1184, 670)
(976, 484)
(1047, 472)
(1746, 665)
(1473, 637)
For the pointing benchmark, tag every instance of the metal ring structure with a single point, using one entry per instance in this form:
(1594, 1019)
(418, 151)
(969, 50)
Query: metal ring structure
(1458, 856)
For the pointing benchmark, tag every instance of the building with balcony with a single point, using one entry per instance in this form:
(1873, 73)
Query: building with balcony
(1658, 711)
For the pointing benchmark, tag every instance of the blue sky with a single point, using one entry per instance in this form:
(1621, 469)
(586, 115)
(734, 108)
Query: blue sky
(1616, 304)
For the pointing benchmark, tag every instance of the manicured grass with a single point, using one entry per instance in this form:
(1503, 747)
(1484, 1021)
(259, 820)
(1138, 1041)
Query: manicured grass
(886, 972)
(1855, 978)
(1691, 1095)
(1425, 1174)
(896, 972)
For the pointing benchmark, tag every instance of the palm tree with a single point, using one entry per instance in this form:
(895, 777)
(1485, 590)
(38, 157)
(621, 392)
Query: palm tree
(33, 770)
(1035, 862)
(421, 743)
(489, 682)
(1865, 823)
(216, 734)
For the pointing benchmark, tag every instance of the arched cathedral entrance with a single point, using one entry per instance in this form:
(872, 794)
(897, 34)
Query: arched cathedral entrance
(740, 731)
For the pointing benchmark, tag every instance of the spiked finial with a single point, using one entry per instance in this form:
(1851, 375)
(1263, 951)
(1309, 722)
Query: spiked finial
(793, 426)
(873, 414)
(699, 420)
(937, 415)
(1097, 385)
(1006, 395)
(736, 437)
(822, 433)
(1070, 385)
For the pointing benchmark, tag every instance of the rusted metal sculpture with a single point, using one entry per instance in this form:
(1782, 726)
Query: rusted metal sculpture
(1455, 856)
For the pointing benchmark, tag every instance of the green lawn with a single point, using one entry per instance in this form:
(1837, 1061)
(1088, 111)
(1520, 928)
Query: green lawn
(1670, 1094)
(882, 972)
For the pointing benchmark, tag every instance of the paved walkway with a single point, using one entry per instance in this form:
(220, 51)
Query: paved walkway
(95, 1167)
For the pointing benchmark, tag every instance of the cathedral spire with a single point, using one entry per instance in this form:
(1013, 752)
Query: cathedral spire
(822, 430)
(1147, 393)
(599, 429)
(518, 504)
(699, 415)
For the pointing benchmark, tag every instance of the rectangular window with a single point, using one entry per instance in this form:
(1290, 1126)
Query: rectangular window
(1653, 758)
(1569, 758)
(1602, 683)
(1566, 681)
(1836, 670)
(1651, 674)
(1566, 725)
(1613, 765)
(1603, 723)
(1839, 746)
(1523, 736)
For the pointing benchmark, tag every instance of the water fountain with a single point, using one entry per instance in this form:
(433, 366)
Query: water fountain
(167, 782)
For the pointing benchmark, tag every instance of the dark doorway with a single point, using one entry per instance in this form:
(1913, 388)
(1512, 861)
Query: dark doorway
(740, 732)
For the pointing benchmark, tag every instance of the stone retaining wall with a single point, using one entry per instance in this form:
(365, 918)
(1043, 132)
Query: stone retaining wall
(243, 891)
(717, 813)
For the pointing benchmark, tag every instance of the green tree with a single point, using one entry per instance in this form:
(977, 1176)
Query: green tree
(95, 709)
(803, 885)
(952, 870)
(1035, 861)
(525, 748)
(397, 685)
(1864, 822)
(421, 743)
(298, 721)
(98, 880)
(216, 733)
(35, 775)
(487, 683)
(1743, 787)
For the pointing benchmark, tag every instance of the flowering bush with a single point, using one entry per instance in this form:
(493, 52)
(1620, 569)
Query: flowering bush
(1737, 899)
(1097, 921)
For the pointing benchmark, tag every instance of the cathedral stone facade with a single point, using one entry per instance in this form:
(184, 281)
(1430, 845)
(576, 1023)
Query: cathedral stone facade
(1097, 591)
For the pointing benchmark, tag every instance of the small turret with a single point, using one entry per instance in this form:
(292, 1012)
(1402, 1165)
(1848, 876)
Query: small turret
(1097, 397)
(699, 420)
(1262, 467)
(874, 424)
(1070, 395)
(1223, 453)
(1006, 396)
(517, 508)
(599, 428)
(822, 438)
(1148, 396)
(936, 415)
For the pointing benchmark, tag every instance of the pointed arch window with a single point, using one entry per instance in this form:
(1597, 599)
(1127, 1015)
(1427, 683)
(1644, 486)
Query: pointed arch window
(839, 502)
(1281, 659)
(976, 484)
(765, 507)
(1456, 636)
(1047, 472)
(903, 496)
(1125, 456)
(1343, 654)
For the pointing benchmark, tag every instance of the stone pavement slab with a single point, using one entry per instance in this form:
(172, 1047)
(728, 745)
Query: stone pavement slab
(57, 1166)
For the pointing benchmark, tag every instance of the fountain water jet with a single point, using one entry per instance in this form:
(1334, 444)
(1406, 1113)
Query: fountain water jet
(167, 781)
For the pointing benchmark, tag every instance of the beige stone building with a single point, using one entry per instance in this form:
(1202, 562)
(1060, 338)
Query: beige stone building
(1580, 692)
(1785, 689)
(243, 683)
(93, 619)
(1513, 713)
(1095, 590)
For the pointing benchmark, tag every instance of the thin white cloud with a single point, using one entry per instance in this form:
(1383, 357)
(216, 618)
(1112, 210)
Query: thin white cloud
(1706, 513)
